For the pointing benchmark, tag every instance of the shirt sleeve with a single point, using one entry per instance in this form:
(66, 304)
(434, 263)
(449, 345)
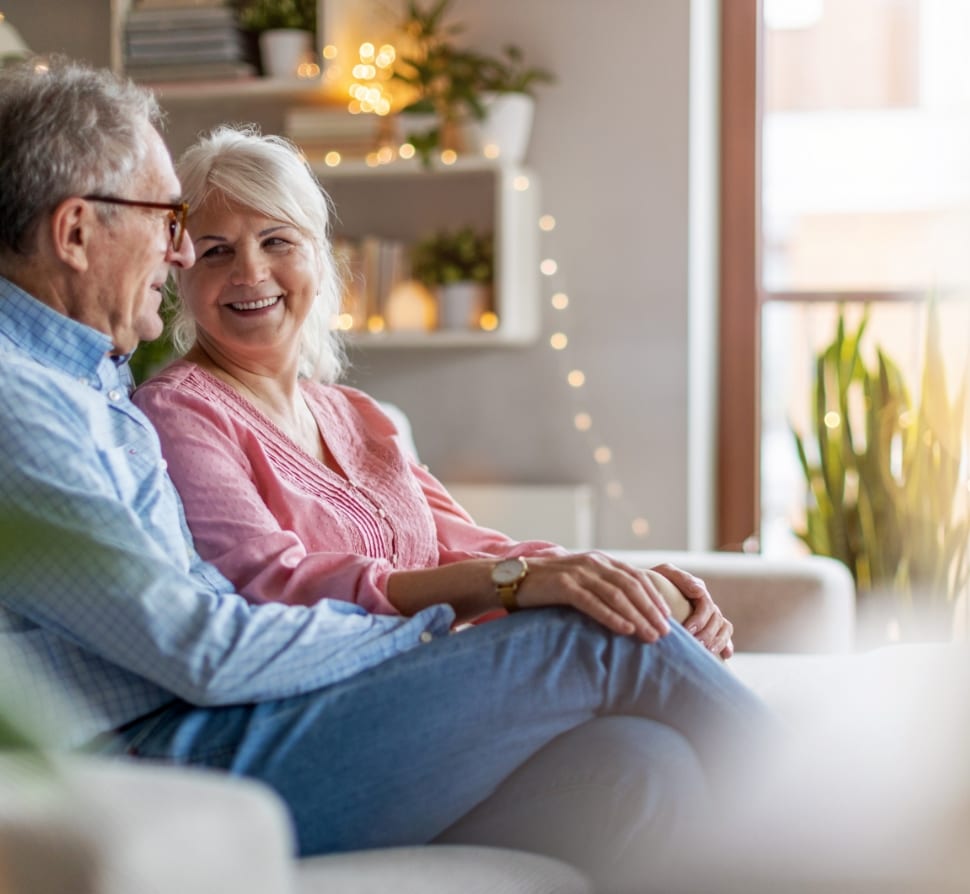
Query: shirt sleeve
(80, 560)
(251, 543)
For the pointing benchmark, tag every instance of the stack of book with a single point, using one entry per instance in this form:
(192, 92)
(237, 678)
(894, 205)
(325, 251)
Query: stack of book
(176, 40)
(318, 130)
(372, 267)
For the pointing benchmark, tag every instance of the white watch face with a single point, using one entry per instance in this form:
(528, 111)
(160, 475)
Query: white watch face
(508, 571)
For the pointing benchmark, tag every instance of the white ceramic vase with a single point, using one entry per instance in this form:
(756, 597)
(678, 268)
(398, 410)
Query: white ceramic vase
(461, 305)
(505, 130)
(284, 50)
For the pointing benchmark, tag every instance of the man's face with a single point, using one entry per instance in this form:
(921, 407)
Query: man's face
(134, 253)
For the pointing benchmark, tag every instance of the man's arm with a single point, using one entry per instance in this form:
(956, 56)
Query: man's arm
(77, 559)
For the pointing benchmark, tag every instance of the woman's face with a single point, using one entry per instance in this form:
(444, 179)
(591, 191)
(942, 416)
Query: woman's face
(252, 286)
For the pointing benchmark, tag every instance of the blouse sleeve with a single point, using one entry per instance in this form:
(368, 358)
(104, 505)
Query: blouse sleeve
(230, 521)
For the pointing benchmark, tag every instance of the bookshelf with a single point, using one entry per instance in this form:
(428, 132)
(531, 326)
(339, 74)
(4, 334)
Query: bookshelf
(402, 201)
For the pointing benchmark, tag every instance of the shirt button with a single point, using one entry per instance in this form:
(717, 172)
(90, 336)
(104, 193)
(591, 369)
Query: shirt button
(426, 637)
(84, 380)
(381, 513)
(114, 394)
(162, 465)
(394, 558)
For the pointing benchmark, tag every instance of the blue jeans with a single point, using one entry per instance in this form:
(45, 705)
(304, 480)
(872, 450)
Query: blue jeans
(400, 752)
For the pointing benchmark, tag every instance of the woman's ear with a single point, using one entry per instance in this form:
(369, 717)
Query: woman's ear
(71, 229)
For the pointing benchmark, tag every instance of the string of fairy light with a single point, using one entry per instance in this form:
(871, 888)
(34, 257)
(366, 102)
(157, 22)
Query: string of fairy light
(561, 343)
(370, 93)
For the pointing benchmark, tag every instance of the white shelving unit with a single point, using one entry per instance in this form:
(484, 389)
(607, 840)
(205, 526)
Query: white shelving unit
(403, 200)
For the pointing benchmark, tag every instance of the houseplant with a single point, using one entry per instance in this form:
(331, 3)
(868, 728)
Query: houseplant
(458, 265)
(285, 29)
(885, 494)
(508, 99)
(453, 87)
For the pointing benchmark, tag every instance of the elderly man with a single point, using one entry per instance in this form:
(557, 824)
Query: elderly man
(375, 729)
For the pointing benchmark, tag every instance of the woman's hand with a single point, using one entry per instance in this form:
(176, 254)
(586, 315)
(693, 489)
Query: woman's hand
(705, 620)
(620, 597)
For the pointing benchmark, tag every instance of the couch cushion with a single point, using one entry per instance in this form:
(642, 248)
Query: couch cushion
(438, 869)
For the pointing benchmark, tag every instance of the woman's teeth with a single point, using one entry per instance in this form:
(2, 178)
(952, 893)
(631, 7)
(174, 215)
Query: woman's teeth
(255, 305)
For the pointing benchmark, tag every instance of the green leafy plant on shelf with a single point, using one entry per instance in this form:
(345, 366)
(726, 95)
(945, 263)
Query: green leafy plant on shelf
(448, 82)
(886, 496)
(266, 15)
(450, 256)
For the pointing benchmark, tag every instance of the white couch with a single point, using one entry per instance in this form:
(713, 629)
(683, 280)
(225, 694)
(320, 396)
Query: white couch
(114, 827)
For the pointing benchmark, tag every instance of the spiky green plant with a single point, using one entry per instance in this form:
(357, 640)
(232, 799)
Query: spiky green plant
(885, 496)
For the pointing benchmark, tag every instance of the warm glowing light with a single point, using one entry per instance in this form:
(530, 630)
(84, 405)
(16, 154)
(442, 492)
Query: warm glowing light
(560, 301)
(832, 419)
(385, 56)
(583, 421)
(449, 157)
(332, 159)
(614, 490)
(329, 51)
(548, 267)
(372, 160)
(345, 322)
(602, 455)
(488, 321)
(547, 222)
(558, 341)
(375, 323)
(406, 150)
(354, 107)
(385, 155)
(491, 150)
(576, 378)
(366, 51)
(308, 70)
(640, 526)
(520, 183)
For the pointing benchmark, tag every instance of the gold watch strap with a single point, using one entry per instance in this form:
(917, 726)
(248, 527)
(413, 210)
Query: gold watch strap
(506, 593)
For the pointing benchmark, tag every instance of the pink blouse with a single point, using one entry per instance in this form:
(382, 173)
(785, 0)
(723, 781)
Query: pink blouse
(281, 525)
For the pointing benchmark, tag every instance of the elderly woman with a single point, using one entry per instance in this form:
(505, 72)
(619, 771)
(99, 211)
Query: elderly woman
(298, 490)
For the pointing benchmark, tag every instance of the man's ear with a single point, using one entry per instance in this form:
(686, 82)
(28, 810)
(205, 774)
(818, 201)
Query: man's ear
(71, 229)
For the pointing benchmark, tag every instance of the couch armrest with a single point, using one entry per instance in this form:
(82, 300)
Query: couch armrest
(798, 604)
(103, 826)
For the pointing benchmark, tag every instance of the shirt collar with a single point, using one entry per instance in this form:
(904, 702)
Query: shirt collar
(50, 337)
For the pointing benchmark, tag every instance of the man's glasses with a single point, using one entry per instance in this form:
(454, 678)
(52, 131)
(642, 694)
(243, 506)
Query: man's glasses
(178, 214)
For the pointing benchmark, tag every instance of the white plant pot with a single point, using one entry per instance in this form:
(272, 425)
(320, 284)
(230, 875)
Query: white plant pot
(284, 50)
(461, 305)
(505, 130)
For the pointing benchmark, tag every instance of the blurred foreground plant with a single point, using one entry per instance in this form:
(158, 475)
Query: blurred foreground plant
(885, 494)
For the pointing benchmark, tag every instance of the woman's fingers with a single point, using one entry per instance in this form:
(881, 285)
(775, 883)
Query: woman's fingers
(598, 587)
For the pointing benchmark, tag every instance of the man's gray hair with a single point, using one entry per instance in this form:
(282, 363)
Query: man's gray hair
(269, 175)
(65, 130)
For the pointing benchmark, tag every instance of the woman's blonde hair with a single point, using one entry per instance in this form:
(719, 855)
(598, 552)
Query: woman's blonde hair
(269, 175)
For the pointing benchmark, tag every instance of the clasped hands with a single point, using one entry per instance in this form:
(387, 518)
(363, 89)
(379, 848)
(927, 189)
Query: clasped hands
(627, 600)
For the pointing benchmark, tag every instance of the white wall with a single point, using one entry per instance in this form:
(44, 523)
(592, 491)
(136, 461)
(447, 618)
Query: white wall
(611, 147)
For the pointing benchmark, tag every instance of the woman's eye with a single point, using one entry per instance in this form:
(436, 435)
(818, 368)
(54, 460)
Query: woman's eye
(275, 242)
(216, 252)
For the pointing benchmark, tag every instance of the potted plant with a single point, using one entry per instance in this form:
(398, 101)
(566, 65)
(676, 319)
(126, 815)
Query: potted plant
(885, 493)
(285, 29)
(508, 99)
(443, 82)
(458, 265)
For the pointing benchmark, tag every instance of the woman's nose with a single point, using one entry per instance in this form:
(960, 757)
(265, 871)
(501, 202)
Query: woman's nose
(248, 266)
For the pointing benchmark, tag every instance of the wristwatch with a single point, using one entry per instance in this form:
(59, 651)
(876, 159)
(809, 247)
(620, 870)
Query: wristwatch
(507, 575)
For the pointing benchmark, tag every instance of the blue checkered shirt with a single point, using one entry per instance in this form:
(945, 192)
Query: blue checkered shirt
(106, 611)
